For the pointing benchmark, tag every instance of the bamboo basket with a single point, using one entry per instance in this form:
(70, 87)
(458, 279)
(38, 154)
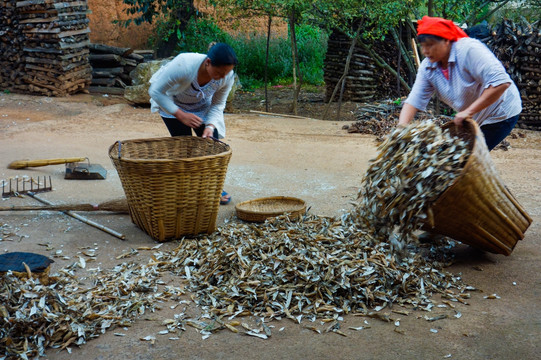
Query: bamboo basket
(259, 210)
(478, 209)
(172, 184)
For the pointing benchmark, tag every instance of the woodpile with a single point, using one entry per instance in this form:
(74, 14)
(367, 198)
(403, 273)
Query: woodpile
(11, 43)
(365, 81)
(49, 38)
(111, 67)
(360, 81)
(518, 46)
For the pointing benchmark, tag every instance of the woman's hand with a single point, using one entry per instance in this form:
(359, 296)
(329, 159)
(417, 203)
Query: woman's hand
(461, 116)
(208, 132)
(188, 119)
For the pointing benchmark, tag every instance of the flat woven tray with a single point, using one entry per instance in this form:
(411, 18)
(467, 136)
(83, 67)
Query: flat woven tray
(258, 210)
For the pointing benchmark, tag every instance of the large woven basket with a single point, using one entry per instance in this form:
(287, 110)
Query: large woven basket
(172, 184)
(478, 209)
(259, 210)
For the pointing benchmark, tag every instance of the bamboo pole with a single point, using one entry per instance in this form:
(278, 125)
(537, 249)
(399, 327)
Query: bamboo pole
(119, 206)
(82, 218)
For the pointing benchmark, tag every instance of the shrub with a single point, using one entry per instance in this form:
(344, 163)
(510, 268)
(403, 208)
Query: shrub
(251, 52)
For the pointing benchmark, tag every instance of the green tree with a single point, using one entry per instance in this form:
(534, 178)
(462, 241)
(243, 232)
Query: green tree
(290, 10)
(172, 18)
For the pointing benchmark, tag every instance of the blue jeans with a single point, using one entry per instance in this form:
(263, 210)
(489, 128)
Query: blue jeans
(495, 133)
(176, 128)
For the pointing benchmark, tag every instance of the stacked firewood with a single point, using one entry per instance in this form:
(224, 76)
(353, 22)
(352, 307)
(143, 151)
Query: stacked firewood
(54, 44)
(365, 81)
(518, 46)
(360, 82)
(11, 42)
(111, 67)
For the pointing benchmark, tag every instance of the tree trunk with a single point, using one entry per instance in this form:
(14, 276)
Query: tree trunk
(293, 58)
(267, 63)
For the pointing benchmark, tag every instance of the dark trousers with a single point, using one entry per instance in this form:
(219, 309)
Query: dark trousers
(176, 128)
(495, 133)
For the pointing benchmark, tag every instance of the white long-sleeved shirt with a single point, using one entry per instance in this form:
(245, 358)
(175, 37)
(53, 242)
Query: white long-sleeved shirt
(472, 69)
(175, 86)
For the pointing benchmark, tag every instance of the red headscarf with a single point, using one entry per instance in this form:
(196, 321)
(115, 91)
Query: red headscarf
(440, 27)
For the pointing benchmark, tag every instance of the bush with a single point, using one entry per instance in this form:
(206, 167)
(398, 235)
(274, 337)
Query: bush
(251, 52)
(312, 47)
(199, 34)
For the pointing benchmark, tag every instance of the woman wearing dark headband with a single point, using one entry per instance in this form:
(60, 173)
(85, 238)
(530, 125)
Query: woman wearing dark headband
(465, 75)
(190, 92)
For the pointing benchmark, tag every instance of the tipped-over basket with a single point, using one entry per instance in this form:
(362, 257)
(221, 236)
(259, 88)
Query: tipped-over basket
(172, 184)
(259, 210)
(478, 209)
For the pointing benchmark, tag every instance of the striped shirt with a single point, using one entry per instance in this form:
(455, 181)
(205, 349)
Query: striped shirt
(175, 86)
(472, 68)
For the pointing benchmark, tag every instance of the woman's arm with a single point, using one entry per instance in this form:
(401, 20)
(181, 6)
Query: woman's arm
(488, 97)
(406, 114)
(175, 76)
(215, 114)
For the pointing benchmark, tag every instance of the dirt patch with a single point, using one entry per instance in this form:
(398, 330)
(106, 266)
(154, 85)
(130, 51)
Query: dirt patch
(312, 159)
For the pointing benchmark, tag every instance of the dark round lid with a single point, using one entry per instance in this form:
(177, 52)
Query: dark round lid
(14, 261)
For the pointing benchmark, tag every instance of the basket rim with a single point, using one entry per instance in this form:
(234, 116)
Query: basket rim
(143, 161)
(239, 206)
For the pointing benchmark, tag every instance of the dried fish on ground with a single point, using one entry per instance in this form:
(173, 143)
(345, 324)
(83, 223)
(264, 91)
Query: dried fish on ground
(65, 313)
(316, 267)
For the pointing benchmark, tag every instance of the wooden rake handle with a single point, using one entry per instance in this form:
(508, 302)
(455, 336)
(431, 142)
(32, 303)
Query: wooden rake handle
(21, 164)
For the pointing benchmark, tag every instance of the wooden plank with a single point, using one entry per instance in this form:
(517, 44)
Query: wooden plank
(43, 50)
(74, 32)
(33, 2)
(80, 44)
(70, 4)
(39, 20)
(57, 31)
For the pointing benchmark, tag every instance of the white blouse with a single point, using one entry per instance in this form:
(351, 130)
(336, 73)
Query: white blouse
(472, 69)
(175, 86)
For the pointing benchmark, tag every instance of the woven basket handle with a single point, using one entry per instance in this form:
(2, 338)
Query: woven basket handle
(119, 148)
(213, 138)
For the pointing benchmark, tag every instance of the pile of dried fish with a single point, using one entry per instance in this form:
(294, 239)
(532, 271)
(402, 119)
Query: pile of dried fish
(35, 317)
(317, 267)
(415, 165)
(313, 268)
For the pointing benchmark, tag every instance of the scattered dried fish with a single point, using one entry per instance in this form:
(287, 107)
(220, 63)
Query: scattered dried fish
(437, 317)
(315, 267)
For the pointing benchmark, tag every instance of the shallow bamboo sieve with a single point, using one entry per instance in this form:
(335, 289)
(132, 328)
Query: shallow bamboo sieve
(478, 209)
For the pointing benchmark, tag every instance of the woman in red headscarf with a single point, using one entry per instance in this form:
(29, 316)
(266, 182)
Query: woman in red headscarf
(465, 75)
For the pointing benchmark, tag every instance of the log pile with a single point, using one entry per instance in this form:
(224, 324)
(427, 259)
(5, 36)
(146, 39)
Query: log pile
(365, 81)
(111, 67)
(360, 81)
(11, 42)
(49, 38)
(518, 46)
